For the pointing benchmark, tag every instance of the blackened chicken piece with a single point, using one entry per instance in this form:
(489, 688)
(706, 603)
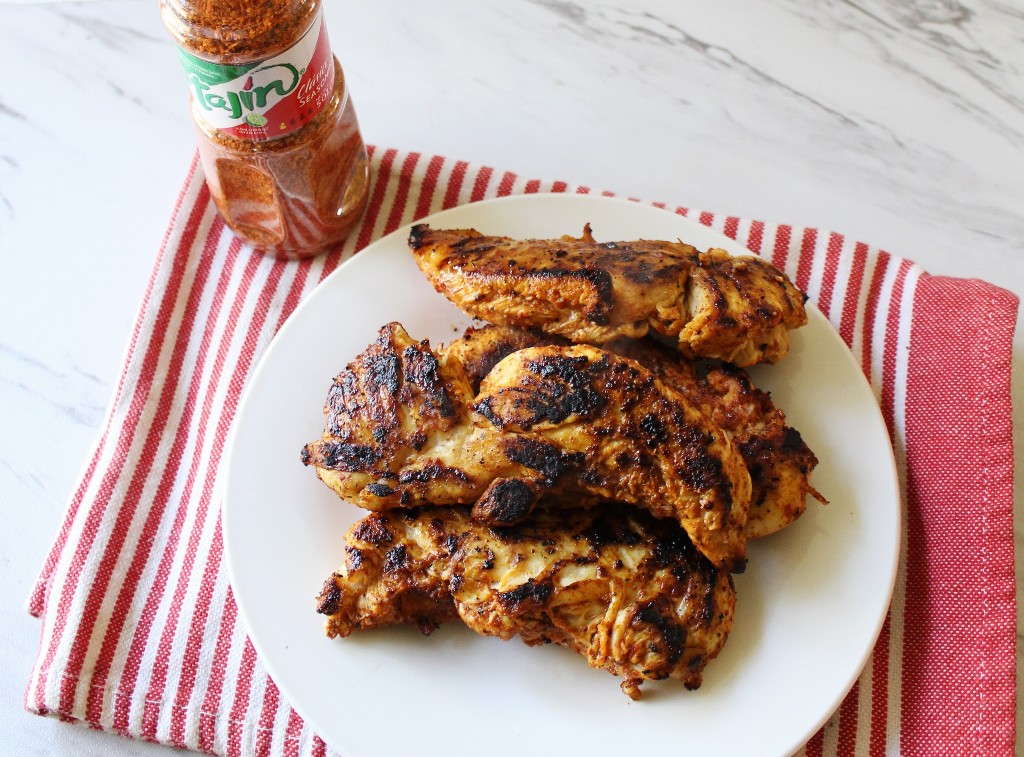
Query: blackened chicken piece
(570, 420)
(776, 456)
(711, 304)
(577, 288)
(397, 418)
(400, 431)
(778, 459)
(396, 572)
(639, 440)
(626, 591)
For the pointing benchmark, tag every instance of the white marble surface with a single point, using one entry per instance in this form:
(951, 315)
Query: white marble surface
(898, 123)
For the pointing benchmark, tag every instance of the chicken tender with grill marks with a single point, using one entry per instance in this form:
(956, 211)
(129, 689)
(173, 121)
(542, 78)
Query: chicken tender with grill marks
(396, 572)
(400, 432)
(640, 441)
(396, 423)
(713, 305)
(777, 458)
(626, 591)
(574, 287)
(561, 420)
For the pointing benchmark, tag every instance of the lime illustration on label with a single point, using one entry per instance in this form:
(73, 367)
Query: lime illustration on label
(269, 98)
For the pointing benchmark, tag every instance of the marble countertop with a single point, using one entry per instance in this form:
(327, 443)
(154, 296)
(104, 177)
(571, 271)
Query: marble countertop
(900, 124)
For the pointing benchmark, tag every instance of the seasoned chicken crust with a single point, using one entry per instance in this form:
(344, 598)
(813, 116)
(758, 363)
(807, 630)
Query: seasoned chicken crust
(711, 304)
(626, 591)
(403, 428)
(776, 456)
(778, 459)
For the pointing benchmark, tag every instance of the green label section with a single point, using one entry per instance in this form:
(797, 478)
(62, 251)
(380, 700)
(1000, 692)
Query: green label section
(212, 73)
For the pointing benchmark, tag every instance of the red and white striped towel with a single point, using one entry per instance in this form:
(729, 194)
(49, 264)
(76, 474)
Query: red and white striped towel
(140, 634)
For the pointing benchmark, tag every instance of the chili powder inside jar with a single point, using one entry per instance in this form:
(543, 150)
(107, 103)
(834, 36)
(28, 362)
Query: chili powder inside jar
(278, 136)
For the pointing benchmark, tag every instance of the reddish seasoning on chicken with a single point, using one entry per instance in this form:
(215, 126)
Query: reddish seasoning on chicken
(278, 136)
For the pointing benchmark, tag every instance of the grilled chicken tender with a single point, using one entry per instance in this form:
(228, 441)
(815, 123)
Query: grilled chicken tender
(626, 591)
(713, 305)
(641, 442)
(777, 458)
(400, 431)
(403, 429)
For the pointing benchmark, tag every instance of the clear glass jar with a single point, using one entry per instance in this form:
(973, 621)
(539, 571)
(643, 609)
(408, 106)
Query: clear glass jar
(278, 136)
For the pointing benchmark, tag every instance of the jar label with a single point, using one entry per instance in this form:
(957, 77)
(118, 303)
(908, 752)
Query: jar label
(265, 99)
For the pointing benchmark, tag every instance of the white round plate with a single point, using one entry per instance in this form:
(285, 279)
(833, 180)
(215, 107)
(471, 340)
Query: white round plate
(809, 606)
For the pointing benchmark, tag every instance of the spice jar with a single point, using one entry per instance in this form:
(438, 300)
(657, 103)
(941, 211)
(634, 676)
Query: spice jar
(278, 137)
